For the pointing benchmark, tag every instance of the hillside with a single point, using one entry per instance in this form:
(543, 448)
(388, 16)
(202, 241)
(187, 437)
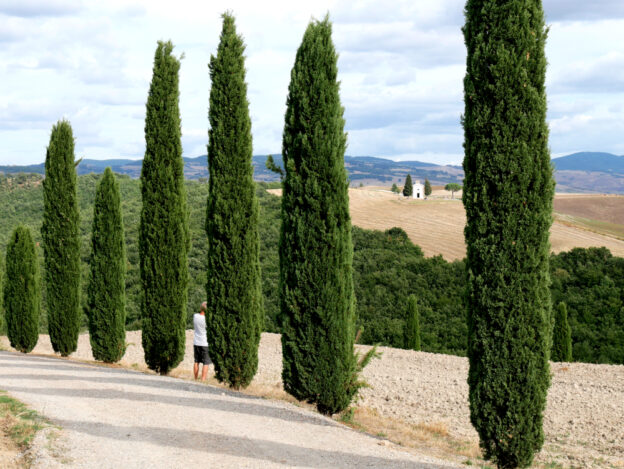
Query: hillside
(387, 265)
(437, 224)
(580, 172)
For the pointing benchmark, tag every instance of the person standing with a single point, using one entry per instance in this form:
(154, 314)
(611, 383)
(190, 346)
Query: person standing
(200, 343)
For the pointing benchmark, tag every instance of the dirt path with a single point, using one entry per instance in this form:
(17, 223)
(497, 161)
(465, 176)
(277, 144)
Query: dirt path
(113, 418)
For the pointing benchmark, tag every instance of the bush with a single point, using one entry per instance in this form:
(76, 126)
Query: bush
(106, 307)
(22, 297)
(61, 241)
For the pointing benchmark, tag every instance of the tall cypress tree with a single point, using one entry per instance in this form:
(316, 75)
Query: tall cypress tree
(61, 242)
(22, 297)
(427, 188)
(508, 192)
(234, 291)
(163, 233)
(2, 324)
(106, 305)
(408, 188)
(316, 252)
(412, 325)
(562, 336)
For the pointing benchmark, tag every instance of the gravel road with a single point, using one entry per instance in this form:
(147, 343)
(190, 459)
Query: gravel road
(116, 418)
(583, 422)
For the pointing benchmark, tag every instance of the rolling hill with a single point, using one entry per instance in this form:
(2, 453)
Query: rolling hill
(580, 172)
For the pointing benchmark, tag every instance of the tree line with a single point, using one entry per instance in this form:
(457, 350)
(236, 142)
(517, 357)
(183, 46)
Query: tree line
(317, 309)
(507, 193)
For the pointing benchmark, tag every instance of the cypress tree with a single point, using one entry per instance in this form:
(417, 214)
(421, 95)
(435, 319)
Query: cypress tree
(106, 304)
(61, 242)
(412, 325)
(408, 189)
(234, 308)
(427, 188)
(316, 252)
(508, 192)
(2, 324)
(163, 233)
(22, 297)
(562, 336)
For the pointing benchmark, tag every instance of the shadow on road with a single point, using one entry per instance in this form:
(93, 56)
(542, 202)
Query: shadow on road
(238, 446)
(241, 404)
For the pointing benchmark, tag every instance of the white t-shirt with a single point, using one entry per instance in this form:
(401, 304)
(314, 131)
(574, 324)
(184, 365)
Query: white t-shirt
(199, 323)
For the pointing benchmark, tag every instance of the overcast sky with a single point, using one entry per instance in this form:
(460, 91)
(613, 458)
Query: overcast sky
(401, 65)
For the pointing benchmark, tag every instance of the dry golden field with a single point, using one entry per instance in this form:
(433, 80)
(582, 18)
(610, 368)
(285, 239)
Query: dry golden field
(437, 224)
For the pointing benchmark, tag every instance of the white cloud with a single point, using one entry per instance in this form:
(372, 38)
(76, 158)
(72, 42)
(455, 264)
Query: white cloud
(39, 8)
(401, 67)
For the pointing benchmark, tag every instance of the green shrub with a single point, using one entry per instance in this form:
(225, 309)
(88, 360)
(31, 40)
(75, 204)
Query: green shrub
(61, 241)
(163, 232)
(316, 286)
(234, 286)
(106, 306)
(412, 325)
(22, 297)
(508, 192)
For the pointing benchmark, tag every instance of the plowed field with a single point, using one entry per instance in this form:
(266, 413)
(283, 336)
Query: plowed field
(437, 224)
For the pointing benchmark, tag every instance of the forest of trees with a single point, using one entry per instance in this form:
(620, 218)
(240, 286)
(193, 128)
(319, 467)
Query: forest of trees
(387, 268)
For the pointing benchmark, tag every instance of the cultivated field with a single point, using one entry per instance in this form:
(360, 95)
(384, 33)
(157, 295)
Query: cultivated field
(437, 224)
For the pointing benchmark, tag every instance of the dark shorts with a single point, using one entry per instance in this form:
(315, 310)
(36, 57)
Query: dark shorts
(201, 354)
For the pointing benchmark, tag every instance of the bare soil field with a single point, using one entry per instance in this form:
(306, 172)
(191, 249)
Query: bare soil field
(601, 207)
(437, 224)
(420, 401)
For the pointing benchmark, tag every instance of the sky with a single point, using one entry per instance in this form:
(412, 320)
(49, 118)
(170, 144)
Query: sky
(401, 66)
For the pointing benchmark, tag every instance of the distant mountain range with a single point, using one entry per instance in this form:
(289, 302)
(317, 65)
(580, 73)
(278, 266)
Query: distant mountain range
(579, 172)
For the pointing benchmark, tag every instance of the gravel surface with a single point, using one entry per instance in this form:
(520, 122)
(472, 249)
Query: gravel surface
(117, 418)
(584, 420)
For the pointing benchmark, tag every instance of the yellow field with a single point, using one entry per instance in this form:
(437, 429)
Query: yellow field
(437, 224)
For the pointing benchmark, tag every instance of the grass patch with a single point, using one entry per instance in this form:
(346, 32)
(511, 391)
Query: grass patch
(19, 422)
(433, 439)
(612, 230)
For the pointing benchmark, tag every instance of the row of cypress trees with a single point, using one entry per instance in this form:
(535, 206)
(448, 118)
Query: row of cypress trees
(316, 285)
(61, 246)
(106, 305)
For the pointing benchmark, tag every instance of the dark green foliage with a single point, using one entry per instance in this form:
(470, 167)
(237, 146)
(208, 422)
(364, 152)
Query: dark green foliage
(386, 265)
(163, 232)
(412, 325)
(508, 191)
(106, 304)
(61, 241)
(2, 322)
(395, 188)
(427, 188)
(562, 336)
(591, 282)
(408, 188)
(22, 297)
(271, 165)
(234, 289)
(316, 285)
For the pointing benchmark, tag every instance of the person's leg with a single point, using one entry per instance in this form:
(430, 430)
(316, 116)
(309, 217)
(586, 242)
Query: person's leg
(195, 369)
(204, 371)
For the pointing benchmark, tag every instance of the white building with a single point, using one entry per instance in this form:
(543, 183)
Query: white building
(418, 190)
